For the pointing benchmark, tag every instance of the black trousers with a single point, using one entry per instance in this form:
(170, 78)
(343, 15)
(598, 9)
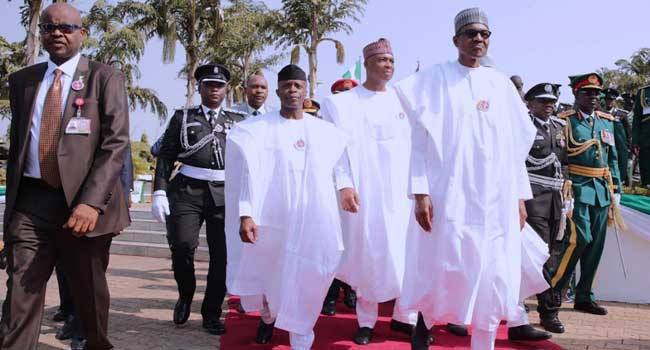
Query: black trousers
(191, 203)
(546, 226)
(644, 165)
(35, 242)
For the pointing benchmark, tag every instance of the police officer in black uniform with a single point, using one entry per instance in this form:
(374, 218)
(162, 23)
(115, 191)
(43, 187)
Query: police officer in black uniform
(547, 169)
(196, 138)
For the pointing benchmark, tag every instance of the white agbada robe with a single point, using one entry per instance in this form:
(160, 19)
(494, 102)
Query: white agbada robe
(379, 154)
(471, 136)
(280, 172)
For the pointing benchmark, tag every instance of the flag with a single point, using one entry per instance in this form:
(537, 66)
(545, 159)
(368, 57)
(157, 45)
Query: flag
(354, 72)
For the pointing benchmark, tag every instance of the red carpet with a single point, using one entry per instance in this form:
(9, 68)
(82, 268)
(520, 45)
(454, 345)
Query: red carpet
(336, 332)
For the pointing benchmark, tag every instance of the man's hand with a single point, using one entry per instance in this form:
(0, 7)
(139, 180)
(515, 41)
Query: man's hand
(82, 220)
(247, 230)
(349, 200)
(424, 211)
(160, 206)
(523, 215)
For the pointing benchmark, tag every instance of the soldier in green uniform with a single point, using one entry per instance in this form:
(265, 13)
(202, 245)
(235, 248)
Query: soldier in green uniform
(593, 169)
(622, 131)
(641, 132)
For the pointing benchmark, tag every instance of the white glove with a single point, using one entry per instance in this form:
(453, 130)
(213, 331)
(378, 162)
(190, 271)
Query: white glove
(160, 206)
(617, 199)
(568, 206)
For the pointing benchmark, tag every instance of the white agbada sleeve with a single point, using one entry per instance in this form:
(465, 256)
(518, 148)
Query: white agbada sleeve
(342, 171)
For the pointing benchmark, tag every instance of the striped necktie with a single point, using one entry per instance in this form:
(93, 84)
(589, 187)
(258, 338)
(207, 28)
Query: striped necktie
(50, 130)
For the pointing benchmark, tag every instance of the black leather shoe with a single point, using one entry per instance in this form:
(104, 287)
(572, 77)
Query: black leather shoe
(363, 336)
(182, 311)
(60, 315)
(421, 337)
(527, 333)
(264, 332)
(350, 298)
(457, 329)
(66, 330)
(77, 343)
(401, 327)
(591, 308)
(552, 324)
(329, 308)
(214, 326)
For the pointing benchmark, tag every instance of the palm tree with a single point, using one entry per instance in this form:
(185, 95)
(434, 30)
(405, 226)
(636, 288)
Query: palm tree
(247, 31)
(185, 22)
(117, 41)
(306, 24)
(12, 56)
(632, 74)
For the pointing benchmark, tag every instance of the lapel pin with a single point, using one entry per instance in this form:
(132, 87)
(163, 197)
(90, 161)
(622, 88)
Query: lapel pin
(78, 84)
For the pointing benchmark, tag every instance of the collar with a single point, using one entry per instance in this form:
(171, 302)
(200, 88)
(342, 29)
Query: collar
(584, 115)
(541, 121)
(261, 110)
(207, 109)
(68, 67)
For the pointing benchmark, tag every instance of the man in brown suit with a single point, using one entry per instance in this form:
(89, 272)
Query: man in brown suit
(69, 133)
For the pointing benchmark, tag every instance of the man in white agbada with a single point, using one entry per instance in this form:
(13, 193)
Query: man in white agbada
(471, 136)
(281, 202)
(373, 191)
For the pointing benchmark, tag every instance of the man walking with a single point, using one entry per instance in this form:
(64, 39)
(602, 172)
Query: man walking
(69, 133)
(469, 180)
(196, 137)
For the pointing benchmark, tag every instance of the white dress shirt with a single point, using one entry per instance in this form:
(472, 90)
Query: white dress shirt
(32, 165)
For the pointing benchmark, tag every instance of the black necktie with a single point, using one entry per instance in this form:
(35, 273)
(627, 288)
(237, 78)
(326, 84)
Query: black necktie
(212, 119)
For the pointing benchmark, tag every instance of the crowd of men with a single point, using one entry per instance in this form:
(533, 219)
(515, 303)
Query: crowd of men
(412, 192)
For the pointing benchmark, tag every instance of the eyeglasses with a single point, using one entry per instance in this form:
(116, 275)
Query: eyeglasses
(471, 33)
(65, 28)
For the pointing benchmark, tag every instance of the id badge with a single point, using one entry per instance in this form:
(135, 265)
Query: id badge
(78, 126)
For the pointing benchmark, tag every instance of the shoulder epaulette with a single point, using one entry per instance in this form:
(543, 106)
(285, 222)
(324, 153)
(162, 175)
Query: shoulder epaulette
(188, 108)
(558, 120)
(234, 111)
(566, 114)
(604, 115)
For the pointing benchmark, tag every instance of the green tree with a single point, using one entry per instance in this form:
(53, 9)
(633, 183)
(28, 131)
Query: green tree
(115, 39)
(247, 31)
(12, 56)
(629, 74)
(308, 23)
(185, 22)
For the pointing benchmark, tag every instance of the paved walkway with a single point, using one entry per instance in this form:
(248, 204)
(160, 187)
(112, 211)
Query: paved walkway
(143, 295)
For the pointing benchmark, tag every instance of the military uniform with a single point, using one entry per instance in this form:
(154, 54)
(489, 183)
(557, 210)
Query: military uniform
(547, 168)
(622, 134)
(196, 137)
(593, 169)
(641, 132)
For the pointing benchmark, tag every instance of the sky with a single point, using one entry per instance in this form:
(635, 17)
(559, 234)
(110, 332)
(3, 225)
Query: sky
(542, 41)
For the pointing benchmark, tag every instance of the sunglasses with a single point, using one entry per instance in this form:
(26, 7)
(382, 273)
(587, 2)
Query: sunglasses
(471, 33)
(65, 28)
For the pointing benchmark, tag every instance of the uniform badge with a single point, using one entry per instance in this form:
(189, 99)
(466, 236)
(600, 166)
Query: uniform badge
(218, 128)
(483, 105)
(560, 139)
(607, 137)
(78, 84)
(299, 145)
(593, 80)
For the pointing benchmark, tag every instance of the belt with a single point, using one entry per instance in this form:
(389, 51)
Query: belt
(203, 173)
(588, 171)
(546, 181)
